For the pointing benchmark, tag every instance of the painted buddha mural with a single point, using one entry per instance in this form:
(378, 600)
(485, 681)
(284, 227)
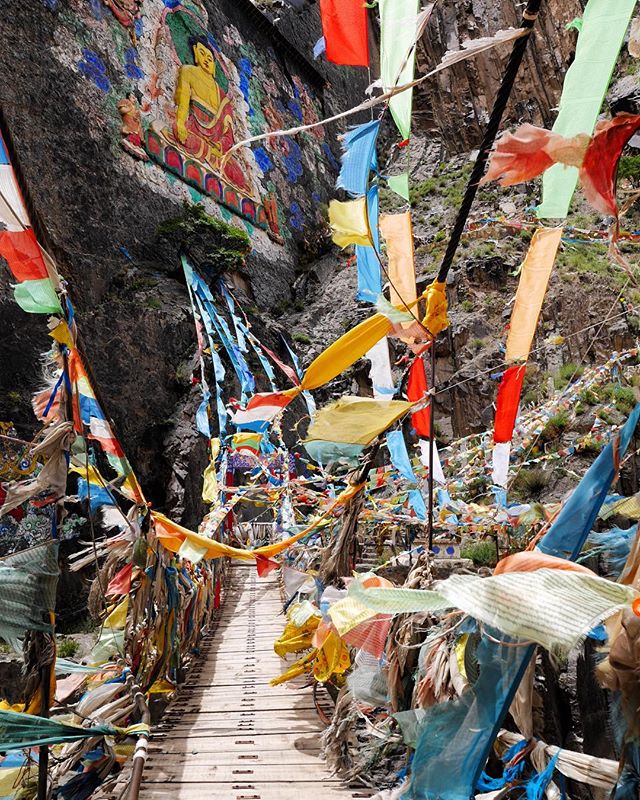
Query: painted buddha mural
(204, 117)
(193, 113)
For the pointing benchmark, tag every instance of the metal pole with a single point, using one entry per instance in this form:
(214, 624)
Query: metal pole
(529, 16)
(43, 752)
(140, 754)
(432, 384)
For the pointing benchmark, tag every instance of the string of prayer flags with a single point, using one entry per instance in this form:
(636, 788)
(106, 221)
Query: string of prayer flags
(349, 222)
(90, 420)
(526, 153)
(367, 260)
(400, 459)
(604, 25)
(35, 292)
(398, 25)
(356, 420)
(358, 157)
(507, 403)
(532, 287)
(345, 32)
(552, 607)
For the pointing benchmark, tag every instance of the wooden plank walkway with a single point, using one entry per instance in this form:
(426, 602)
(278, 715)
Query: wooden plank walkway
(231, 736)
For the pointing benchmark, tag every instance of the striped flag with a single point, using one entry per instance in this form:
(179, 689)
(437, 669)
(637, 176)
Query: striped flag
(246, 442)
(34, 292)
(261, 409)
(90, 420)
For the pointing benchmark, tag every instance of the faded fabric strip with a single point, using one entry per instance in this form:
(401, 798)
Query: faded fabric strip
(507, 403)
(396, 229)
(346, 35)
(369, 276)
(398, 20)
(604, 24)
(29, 580)
(380, 372)
(500, 465)
(358, 157)
(532, 287)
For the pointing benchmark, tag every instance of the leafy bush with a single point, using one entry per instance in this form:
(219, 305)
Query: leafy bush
(302, 338)
(555, 427)
(530, 483)
(67, 648)
(483, 554)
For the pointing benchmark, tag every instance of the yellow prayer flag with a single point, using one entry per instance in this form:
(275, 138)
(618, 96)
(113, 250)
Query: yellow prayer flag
(349, 222)
(117, 619)
(532, 287)
(435, 318)
(356, 420)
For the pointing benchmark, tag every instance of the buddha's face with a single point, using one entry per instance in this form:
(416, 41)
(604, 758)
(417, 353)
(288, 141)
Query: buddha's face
(203, 58)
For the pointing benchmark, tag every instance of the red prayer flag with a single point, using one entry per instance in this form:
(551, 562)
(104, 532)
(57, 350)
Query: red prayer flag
(507, 403)
(265, 565)
(120, 584)
(346, 35)
(417, 390)
(23, 255)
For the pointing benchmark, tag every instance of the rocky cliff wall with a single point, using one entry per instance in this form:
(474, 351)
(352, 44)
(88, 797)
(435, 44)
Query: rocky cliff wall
(90, 94)
(457, 102)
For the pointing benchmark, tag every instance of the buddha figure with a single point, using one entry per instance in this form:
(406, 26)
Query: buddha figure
(204, 117)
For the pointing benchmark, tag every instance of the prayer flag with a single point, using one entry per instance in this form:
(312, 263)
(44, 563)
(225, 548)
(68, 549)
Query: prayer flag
(349, 222)
(246, 442)
(532, 286)
(400, 184)
(261, 409)
(368, 262)
(416, 391)
(507, 403)
(604, 25)
(358, 157)
(396, 229)
(35, 292)
(380, 372)
(398, 23)
(356, 420)
(346, 35)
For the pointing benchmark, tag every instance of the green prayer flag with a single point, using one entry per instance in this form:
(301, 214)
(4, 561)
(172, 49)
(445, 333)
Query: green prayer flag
(604, 25)
(400, 185)
(397, 36)
(37, 297)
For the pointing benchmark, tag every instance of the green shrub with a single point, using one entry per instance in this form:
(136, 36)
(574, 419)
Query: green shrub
(555, 427)
(67, 648)
(483, 554)
(467, 305)
(154, 302)
(530, 483)
(625, 399)
(588, 397)
(302, 338)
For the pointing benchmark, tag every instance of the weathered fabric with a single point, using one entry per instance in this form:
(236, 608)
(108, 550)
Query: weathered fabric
(532, 287)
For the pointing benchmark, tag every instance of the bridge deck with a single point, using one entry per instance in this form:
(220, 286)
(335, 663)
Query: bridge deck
(229, 735)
